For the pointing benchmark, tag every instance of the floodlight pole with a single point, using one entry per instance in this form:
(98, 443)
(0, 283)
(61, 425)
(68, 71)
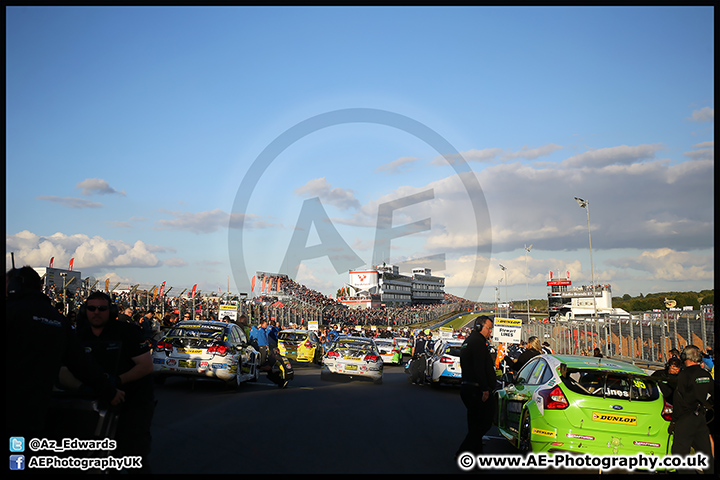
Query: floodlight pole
(504, 269)
(527, 281)
(586, 205)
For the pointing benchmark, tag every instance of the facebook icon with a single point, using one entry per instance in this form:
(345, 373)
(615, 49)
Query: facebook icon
(17, 462)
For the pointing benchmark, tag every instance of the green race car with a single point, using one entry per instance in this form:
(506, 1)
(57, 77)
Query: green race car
(584, 404)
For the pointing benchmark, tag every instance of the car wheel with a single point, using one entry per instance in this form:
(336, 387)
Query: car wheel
(524, 444)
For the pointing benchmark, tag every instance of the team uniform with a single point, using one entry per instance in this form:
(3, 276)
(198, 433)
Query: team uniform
(692, 398)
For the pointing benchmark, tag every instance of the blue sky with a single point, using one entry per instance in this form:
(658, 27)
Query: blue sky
(131, 136)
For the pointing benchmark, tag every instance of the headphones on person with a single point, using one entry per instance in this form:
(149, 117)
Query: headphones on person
(684, 353)
(21, 281)
(82, 312)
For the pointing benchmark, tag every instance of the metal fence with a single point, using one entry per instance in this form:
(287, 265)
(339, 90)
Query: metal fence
(645, 337)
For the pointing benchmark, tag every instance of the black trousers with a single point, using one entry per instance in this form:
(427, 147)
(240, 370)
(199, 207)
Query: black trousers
(692, 431)
(479, 418)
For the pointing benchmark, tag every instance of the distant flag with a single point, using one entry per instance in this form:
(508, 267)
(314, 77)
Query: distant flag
(72, 260)
(162, 288)
(263, 285)
(252, 286)
(51, 262)
(192, 295)
(107, 282)
(278, 286)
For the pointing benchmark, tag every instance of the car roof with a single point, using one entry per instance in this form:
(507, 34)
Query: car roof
(356, 339)
(293, 330)
(594, 363)
(201, 323)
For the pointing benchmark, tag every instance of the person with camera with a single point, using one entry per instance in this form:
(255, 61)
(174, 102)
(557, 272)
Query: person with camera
(121, 351)
(38, 342)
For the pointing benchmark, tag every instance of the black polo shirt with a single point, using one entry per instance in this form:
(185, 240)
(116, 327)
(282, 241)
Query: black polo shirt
(114, 350)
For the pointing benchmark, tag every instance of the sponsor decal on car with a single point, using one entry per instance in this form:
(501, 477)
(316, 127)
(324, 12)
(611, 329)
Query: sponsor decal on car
(170, 362)
(217, 366)
(158, 361)
(612, 418)
(544, 433)
(646, 444)
(192, 351)
(579, 437)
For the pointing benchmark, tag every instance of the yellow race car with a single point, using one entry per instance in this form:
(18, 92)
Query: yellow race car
(300, 345)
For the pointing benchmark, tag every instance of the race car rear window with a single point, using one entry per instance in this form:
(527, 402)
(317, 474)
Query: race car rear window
(453, 350)
(351, 345)
(292, 336)
(621, 386)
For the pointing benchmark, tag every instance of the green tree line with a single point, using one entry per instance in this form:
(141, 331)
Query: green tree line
(657, 300)
(640, 303)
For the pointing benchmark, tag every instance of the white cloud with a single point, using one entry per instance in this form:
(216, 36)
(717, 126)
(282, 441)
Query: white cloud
(98, 186)
(401, 165)
(620, 155)
(71, 202)
(532, 153)
(90, 253)
(705, 114)
(671, 265)
(338, 197)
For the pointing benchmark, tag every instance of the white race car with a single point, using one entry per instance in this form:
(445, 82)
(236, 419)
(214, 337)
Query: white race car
(389, 351)
(444, 366)
(353, 356)
(203, 349)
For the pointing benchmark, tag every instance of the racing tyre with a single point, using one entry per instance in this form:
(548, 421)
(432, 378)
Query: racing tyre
(524, 444)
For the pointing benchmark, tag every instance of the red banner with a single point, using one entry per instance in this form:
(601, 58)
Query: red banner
(192, 295)
(252, 286)
(72, 260)
(51, 262)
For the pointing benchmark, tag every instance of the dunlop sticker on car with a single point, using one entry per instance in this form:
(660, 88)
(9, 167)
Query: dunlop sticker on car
(189, 350)
(544, 433)
(614, 418)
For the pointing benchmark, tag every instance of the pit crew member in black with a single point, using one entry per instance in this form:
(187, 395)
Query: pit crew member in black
(692, 398)
(120, 350)
(478, 382)
(419, 359)
(38, 341)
